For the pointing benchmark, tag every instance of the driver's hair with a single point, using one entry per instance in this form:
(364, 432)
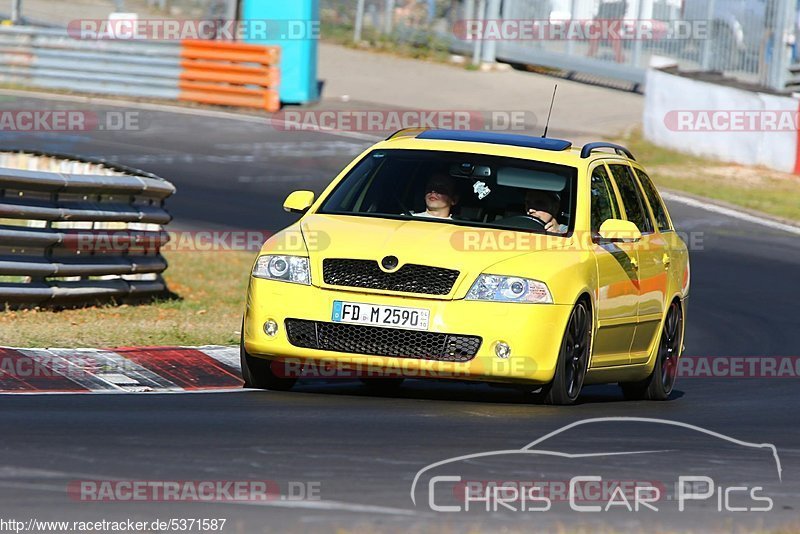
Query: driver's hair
(542, 201)
(442, 177)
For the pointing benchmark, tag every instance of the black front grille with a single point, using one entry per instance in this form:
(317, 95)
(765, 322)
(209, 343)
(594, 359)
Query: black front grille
(409, 278)
(377, 341)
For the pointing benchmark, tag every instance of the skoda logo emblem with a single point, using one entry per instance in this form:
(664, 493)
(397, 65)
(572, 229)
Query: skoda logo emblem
(390, 262)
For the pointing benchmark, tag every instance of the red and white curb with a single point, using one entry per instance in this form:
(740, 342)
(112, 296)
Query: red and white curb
(120, 370)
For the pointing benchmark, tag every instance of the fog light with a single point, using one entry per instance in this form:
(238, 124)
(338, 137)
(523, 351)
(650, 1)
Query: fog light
(502, 350)
(270, 328)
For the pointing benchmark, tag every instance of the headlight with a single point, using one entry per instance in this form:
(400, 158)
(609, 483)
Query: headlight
(509, 289)
(287, 268)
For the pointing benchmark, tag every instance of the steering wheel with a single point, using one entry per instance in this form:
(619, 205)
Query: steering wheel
(523, 221)
(403, 207)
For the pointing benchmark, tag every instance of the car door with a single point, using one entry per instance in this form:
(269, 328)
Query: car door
(655, 275)
(650, 251)
(618, 283)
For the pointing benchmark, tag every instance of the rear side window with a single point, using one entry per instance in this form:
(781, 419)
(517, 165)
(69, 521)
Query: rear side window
(632, 199)
(604, 202)
(655, 201)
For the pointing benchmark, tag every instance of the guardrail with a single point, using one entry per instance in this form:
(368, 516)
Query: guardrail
(210, 72)
(79, 231)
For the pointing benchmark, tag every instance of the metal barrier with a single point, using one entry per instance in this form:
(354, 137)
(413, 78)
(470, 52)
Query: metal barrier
(79, 231)
(211, 72)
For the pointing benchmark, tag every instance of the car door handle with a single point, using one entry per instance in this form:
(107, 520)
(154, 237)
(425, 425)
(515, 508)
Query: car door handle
(666, 260)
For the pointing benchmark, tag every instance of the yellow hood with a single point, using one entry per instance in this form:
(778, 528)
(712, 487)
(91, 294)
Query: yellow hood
(468, 250)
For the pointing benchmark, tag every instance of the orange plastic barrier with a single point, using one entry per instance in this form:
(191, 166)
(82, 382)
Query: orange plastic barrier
(206, 71)
(231, 95)
(230, 74)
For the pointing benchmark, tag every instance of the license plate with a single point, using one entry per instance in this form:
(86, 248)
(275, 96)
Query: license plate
(376, 315)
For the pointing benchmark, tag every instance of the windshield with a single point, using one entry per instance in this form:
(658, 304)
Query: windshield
(458, 188)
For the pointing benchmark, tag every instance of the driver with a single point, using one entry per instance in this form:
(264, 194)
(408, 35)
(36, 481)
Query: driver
(440, 197)
(544, 205)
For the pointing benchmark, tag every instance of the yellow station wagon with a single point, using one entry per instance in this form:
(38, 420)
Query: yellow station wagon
(478, 256)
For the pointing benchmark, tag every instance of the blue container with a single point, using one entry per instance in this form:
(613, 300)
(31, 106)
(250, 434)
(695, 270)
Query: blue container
(293, 25)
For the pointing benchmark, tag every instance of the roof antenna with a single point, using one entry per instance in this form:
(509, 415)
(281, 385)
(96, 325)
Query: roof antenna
(547, 124)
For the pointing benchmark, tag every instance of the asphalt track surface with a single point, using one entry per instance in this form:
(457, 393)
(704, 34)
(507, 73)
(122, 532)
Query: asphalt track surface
(364, 449)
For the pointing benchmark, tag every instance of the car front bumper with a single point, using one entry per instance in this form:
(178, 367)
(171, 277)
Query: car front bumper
(533, 331)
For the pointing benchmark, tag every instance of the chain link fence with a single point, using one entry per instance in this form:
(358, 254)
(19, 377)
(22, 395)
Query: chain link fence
(752, 41)
(61, 12)
(749, 40)
(423, 27)
(196, 8)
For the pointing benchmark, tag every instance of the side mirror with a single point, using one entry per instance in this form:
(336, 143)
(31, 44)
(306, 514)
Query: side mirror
(616, 230)
(298, 201)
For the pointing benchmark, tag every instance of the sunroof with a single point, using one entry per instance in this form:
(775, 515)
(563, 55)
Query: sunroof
(496, 138)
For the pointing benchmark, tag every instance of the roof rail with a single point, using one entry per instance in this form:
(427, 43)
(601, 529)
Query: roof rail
(587, 150)
(407, 132)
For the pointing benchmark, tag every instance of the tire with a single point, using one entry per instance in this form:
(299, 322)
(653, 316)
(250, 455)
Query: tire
(659, 385)
(382, 385)
(573, 359)
(257, 372)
